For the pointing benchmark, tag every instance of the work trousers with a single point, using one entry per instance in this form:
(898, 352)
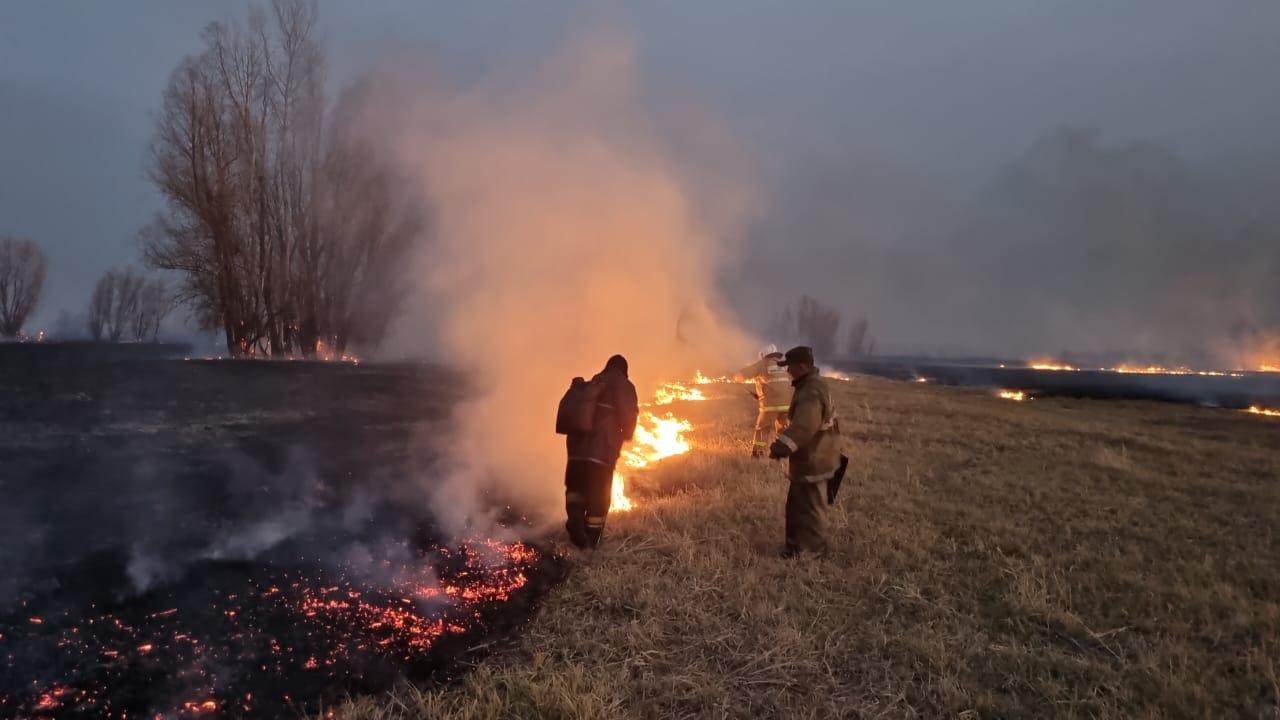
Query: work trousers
(769, 423)
(588, 487)
(806, 517)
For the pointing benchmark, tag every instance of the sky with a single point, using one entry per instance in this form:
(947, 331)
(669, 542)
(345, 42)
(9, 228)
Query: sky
(915, 162)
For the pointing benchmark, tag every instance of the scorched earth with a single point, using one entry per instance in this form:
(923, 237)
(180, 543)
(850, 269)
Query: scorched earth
(185, 538)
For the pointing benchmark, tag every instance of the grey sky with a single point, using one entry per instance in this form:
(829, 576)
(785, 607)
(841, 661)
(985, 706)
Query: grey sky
(916, 106)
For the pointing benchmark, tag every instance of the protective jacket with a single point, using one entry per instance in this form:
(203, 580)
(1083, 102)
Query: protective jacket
(811, 441)
(614, 422)
(773, 385)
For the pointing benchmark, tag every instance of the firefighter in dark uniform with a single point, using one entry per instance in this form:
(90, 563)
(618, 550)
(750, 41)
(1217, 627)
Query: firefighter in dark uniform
(588, 476)
(811, 443)
(773, 393)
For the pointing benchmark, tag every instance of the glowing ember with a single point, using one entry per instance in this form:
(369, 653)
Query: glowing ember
(1017, 395)
(307, 630)
(1263, 411)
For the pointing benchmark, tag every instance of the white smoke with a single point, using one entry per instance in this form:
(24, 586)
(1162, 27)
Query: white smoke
(564, 230)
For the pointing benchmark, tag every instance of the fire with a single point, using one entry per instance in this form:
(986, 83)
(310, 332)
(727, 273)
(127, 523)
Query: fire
(1017, 395)
(1269, 368)
(1050, 364)
(670, 392)
(1256, 410)
(701, 379)
(656, 437)
(328, 354)
(1160, 370)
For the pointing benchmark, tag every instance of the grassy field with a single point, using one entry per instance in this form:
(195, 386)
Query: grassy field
(1051, 558)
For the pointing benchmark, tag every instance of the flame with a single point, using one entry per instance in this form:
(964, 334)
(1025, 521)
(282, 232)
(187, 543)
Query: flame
(656, 437)
(670, 392)
(1017, 395)
(1050, 364)
(1256, 410)
(618, 500)
(1265, 367)
(1160, 370)
(700, 379)
(324, 352)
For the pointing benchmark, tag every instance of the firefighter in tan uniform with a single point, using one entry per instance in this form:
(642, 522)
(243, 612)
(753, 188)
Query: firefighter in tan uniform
(811, 443)
(773, 391)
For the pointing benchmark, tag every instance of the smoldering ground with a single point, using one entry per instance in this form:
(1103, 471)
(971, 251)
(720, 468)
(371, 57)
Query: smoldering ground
(208, 531)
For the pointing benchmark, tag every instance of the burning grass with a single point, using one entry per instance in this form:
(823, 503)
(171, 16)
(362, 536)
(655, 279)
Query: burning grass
(1058, 558)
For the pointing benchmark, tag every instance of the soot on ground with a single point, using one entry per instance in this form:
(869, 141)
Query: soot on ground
(232, 539)
(257, 639)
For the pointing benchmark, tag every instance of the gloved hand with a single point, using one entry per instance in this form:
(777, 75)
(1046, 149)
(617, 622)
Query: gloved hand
(778, 450)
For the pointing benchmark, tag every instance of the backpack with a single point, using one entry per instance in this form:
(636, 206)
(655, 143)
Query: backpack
(577, 411)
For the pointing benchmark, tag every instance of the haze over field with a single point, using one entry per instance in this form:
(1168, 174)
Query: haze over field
(993, 177)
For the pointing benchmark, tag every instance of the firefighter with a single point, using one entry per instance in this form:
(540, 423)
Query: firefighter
(588, 476)
(811, 443)
(773, 392)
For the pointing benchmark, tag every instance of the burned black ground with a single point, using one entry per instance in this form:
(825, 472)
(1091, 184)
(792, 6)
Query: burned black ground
(269, 516)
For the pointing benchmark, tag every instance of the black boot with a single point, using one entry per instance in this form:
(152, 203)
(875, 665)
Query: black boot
(577, 533)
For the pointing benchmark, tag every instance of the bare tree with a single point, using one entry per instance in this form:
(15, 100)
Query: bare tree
(783, 328)
(861, 343)
(285, 228)
(100, 306)
(154, 304)
(22, 272)
(817, 324)
(127, 306)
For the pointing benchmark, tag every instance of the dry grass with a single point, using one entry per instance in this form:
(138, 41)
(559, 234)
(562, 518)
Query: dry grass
(994, 559)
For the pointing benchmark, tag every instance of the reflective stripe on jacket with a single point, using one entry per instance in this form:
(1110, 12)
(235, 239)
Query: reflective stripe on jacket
(812, 439)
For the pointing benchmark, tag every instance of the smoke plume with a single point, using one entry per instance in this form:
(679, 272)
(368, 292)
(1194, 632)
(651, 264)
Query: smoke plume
(564, 229)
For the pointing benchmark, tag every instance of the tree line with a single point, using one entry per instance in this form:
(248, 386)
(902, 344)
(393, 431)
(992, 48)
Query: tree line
(817, 325)
(128, 306)
(22, 273)
(124, 305)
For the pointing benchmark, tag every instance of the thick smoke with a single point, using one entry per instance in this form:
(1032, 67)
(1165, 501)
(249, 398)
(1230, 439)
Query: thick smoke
(1086, 245)
(564, 230)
